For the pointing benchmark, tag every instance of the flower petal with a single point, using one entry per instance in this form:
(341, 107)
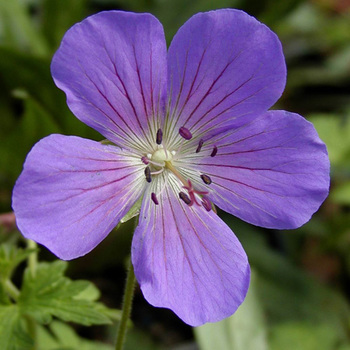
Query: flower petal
(272, 172)
(188, 260)
(223, 66)
(112, 67)
(72, 193)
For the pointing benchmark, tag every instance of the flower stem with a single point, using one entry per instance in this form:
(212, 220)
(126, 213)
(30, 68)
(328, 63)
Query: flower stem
(32, 264)
(127, 305)
(33, 257)
(11, 290)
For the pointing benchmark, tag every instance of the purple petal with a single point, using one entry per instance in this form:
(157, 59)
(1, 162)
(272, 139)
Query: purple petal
(188, 260)
(72, 193)
(223, 66)
(112, 67)
(272, 172)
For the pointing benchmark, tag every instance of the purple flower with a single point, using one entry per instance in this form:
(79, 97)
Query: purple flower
(190, 129)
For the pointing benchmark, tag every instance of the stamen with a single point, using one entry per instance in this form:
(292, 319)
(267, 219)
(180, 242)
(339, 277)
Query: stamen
(185, 198)
(148, 174)
(159, 137)
(157, 172)
(206, 179)
(185, 133)
(145, 160)
(214, 151)
(206, 204)
(199, 146)
(154, 198)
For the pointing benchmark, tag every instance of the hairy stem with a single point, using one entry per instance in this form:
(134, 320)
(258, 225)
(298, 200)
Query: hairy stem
(127, 305)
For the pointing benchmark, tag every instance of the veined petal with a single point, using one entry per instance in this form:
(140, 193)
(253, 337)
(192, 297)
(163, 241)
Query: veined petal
(112, 67)
(188, 260)
(72, 193)
(272, 172)
(223, 68)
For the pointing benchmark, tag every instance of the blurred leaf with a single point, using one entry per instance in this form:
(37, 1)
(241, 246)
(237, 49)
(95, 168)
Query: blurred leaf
(10, 257)
(34, 124)
(139, 340)
(303, 336)
(49, 293)
(90, 293)
(245, 330)
(286, 292)
(17, 29)
(12, 335)
(341, 194)
(134, 211)
(174, 14)
(339, 62)
(4, 299)
(31, 75)
(58, 16)
(63, 337)
(276, 10)
(335, 132)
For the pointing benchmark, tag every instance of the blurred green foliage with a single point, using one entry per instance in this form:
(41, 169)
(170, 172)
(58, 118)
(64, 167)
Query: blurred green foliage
(301, 287)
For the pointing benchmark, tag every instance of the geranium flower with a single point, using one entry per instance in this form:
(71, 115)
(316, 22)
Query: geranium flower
(190, 129)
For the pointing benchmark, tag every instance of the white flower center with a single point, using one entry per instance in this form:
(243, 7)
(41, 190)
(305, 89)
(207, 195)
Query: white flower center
(160, 156)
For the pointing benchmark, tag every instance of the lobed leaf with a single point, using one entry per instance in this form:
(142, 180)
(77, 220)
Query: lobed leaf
(10, 258)
(49, 294)
(12, 334)
(61, 336)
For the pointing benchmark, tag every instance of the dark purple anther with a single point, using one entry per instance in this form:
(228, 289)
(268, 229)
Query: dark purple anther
(185, 133)
(154, 198)
(206, 204)
(159, 137)
(148, 174)
(199, 146)
(185, 197)
(206, 179)
(145, 160)
(214, 151)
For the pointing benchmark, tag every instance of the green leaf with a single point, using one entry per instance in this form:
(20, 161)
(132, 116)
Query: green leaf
(58, 16)
(303, 336)
(134, 211)
(49, 294)
(173, 14)
(63, 337)
(245, 330)
(341, 194)
(18, 30)
(4, 298)
(289, 294)
(90, 292)
(335, 132)
(12, 335)
(31, 75)
(10, 258)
